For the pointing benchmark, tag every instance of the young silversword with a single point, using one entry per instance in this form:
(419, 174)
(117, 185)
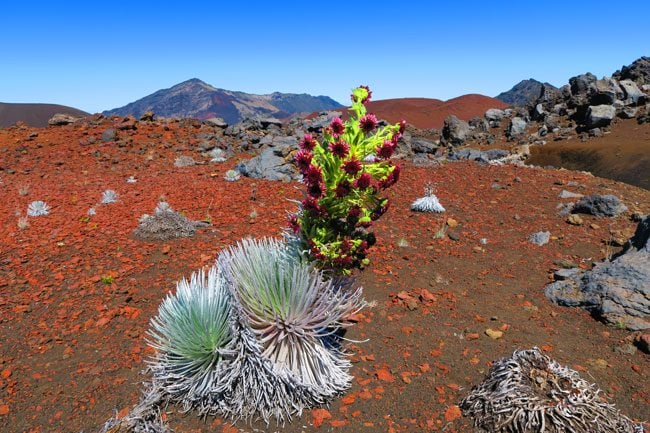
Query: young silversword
(38, 208)
(232, 176)
(428, 203)
(109, 196)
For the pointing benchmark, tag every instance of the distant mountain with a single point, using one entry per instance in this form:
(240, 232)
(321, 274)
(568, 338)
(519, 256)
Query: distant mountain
(194, 98)
(524, 92)
(431, 113)
(35, 115)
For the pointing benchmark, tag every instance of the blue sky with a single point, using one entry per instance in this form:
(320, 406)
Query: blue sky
(101, 55)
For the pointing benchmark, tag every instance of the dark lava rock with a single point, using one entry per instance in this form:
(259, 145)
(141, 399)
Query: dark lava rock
(455, 131)
(600, 205)
(617, 291)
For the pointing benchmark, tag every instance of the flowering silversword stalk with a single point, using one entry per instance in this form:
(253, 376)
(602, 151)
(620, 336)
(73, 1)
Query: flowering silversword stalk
(344, 175)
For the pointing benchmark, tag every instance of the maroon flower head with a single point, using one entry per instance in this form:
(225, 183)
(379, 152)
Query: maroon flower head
(368, 123)
(337, 125)
(386, 150)
(310, 204)
(352, 166)
(343, 188)
(402, 126)
(308, 142)
(367, 98)
(363, 181)
(354, 212)
(340, 148)
(316, 190)
(303, 159)
(313, 175)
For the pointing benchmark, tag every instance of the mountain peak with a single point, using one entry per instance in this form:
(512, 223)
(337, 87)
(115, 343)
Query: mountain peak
(195, 98)
(523, 92)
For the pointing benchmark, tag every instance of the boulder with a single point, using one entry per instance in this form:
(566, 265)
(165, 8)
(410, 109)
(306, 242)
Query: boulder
(268, 165)
(494, 114)
(419, 145)
(580, 84)
(478, 155)
(549, 96)
(599, 115)
(217, 122)
(604, 92)
(600, 205)
(616, 291)
(60, 119)
(455, 131)
(517, 127)
(632, 92)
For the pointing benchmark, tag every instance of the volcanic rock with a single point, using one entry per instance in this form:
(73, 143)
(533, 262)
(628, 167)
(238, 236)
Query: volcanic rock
(632, 92)
(517, 127)
(617, 291)
(600, 205)
(599, 115)
(455, 131)
(60, 119)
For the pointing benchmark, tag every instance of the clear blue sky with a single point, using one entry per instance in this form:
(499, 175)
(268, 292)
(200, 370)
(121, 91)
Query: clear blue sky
(99, 55)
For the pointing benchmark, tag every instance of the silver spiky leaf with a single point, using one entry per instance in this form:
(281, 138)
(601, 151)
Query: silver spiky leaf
(109, 196)
(428, 203)
(529, 392)
(162, 207)
(191, 334)
(293, 312)
(38, 208)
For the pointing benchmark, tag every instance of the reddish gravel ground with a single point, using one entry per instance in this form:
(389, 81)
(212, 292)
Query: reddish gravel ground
(72, 343)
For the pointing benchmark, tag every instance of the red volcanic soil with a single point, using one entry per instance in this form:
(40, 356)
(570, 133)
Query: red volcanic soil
(33, 114)
(72, 343)
(430, 113)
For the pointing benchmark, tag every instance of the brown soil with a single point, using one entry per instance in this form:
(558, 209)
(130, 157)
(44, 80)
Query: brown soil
(72, 344)
(430, 113)
(427, 113)
(623, 154)
(35, 115)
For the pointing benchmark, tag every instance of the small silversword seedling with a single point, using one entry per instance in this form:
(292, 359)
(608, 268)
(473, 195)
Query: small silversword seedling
(428, 203)
(109, 196)
(38, 208)
(232, 176)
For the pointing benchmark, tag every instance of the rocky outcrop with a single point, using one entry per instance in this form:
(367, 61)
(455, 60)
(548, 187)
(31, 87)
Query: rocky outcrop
(616, 291)
(455, 131)
(638, 71)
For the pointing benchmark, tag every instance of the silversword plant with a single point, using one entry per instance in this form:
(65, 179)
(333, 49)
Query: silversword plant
(232, 176)
(109, 196)
(38, 208)
(344, 175)
(428, 203)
